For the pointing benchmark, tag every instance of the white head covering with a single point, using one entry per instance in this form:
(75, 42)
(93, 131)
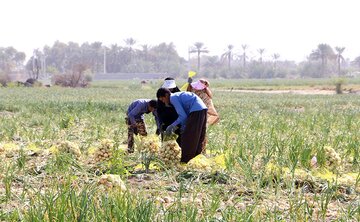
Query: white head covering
(198, 85)
(169, 84)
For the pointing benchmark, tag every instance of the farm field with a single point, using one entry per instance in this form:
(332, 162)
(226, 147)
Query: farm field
(260, 161)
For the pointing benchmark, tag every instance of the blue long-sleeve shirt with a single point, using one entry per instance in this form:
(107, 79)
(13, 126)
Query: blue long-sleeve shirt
(185, 103)
(138, 108)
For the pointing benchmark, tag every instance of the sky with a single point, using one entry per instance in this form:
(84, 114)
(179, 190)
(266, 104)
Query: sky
(291, 28)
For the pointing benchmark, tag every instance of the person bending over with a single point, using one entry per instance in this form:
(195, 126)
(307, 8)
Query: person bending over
(135, 119)
(201, 88)
(192, 115)
(167, 113)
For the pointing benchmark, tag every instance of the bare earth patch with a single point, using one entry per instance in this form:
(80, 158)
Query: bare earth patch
(296, 91)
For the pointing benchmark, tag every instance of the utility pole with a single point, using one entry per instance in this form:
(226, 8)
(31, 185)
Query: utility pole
(43, 66)
(189, 58)
(104, 60)
(33, 61)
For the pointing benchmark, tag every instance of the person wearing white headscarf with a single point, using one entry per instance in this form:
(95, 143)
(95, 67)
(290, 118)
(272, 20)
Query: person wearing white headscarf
(167, 113)
(169, 83)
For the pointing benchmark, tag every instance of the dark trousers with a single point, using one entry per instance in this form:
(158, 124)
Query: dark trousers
(193, 137)
(139, 129)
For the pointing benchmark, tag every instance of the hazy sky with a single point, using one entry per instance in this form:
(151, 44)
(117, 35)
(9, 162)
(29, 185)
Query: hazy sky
(292, 28)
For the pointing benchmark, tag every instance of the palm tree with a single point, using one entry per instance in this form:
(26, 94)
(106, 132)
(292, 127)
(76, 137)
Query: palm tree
(228, 55)
(130, 42)
(145, 51)
(275, 57)
(356, 61)
(244, 47)
(19, 58)
(199, 49)
(212, 62)
(339, 57)
(261, 52)
(323, 52)
(97, 55)
(37, 63)
(112, 58)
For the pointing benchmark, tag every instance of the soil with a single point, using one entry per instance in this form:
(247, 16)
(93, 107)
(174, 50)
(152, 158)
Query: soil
(295, 91)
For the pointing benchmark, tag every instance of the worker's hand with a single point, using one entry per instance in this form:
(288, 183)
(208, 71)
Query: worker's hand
(189, 80)
(169, 130)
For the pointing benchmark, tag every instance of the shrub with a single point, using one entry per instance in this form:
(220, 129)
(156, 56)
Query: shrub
(78, 78)
(4, 79)
(88, 77)
(70, 80)
(338, 85)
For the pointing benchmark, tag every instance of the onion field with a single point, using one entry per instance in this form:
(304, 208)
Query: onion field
(272, 157)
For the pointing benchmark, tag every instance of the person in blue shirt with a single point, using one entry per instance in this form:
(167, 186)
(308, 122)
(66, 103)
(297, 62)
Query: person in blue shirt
(192, 116)
(135, 119)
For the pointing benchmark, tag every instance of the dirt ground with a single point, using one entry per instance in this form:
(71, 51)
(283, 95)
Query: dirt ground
(298, 92)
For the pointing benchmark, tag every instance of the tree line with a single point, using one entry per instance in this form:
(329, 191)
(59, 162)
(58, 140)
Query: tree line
(64, 58)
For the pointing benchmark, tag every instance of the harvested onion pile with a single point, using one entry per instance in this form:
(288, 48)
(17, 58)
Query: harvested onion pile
(105, 151)
(148, 147)
(9, 149)
(148, 144)
(200, 162)
(170, 151)
(333, 159)
(110, 181)
(67, 147)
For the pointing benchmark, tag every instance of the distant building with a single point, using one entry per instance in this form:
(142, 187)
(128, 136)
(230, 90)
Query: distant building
(125, 76)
